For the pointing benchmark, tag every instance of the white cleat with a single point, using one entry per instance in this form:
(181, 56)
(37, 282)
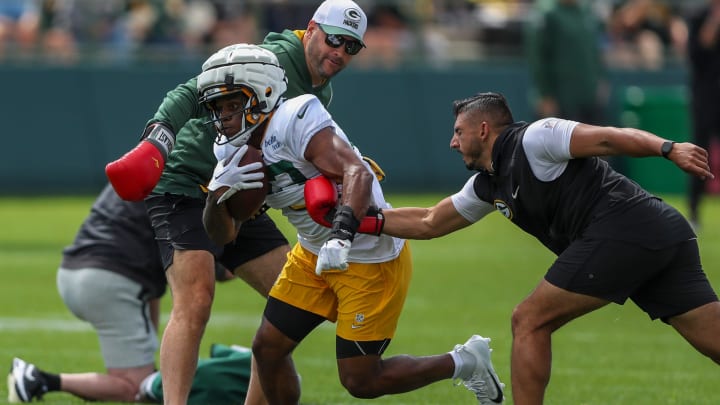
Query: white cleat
(482, 381)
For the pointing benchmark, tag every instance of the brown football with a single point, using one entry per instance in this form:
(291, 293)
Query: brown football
(245, 203)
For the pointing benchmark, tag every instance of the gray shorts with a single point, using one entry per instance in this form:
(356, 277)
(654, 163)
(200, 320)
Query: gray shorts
(114, 306)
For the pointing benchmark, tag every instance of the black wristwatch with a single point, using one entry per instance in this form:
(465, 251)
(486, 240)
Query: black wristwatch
(667, 147)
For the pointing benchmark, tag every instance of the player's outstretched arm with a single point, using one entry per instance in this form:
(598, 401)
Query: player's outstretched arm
(590, 140)
(423, 223)
(407, 222)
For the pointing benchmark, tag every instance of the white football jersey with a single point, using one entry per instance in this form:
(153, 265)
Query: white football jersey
(289, 131)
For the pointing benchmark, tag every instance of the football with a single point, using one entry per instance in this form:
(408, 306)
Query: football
(245, 203)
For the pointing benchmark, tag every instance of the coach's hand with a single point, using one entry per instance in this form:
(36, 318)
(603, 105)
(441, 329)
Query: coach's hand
(321, 198)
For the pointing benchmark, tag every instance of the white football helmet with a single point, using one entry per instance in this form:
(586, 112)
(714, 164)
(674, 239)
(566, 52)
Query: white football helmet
(245, 68)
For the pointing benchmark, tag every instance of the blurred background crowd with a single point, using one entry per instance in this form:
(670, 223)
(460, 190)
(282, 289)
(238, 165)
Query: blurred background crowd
(635, 34)
(649, 64)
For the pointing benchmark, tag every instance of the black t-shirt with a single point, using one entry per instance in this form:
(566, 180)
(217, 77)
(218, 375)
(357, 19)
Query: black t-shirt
(117, 236)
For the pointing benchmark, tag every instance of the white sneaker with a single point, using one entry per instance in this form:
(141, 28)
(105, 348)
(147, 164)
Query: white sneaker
(25, 382)
(482, 379)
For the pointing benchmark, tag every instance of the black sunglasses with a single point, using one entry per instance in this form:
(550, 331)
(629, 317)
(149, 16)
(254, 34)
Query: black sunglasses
(352, 47)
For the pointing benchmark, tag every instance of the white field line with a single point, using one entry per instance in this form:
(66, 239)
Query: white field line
(43, 324)
(63, 324)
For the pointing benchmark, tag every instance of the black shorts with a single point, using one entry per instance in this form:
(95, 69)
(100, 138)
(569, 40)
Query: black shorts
(662, 282)
(178, 226)
(256, 237)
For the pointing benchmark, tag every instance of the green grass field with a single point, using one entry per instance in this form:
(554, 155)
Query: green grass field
(466, 283)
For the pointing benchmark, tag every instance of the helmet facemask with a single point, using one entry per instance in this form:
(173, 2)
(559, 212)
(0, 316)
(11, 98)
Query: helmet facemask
(252, 112)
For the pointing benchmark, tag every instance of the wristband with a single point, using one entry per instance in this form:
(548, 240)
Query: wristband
(373, 222)
(162, 137)
(344, 225)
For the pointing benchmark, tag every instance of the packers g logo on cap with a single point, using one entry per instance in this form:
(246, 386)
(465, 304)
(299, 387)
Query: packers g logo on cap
(353, 14)
(352, 17)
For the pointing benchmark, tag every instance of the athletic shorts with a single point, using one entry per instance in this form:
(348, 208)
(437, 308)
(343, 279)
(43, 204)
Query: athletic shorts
(178, 226)
(118, 310)
(662, 282)
(365, 300)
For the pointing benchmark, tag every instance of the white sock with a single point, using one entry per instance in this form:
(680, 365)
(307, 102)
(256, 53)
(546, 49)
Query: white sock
(458, 363)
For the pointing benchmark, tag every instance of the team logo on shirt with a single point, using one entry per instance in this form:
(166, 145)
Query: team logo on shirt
(271, 142)
(504, 209)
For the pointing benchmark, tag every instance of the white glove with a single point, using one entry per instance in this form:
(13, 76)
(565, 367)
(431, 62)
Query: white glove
(236, 177)
(333, 255)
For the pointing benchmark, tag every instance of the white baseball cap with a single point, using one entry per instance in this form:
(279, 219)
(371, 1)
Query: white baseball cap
(341, 17)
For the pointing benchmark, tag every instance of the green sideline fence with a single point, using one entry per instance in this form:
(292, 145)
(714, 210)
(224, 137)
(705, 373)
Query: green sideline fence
(662, 110)
(61, 125)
